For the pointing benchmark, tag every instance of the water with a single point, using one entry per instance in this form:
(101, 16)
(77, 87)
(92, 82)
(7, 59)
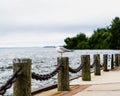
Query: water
(44, 60)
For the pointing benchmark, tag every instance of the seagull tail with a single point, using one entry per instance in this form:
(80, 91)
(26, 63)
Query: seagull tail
(71, 51)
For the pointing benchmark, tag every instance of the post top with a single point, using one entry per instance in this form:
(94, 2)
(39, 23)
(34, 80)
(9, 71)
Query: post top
(21, 60)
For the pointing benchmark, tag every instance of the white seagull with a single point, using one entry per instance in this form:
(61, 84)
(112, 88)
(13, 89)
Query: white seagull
(62, 50)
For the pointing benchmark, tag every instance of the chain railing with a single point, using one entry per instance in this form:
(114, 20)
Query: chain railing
(62, 69)
(9, 83)
(95, 60)
(46, 76)
(104, 63)
(81, 66)
(77, 69)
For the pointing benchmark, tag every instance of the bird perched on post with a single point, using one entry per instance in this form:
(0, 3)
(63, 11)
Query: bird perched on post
(62, 50)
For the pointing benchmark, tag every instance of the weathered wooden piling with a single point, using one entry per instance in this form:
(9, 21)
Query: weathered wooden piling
(97, 64)
(86, 75)
(63, 74)
(116, 60)
(112, 62)
(105, 62)
(22, 86)
(119, 59)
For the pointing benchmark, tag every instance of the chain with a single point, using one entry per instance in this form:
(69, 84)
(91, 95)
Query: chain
(46, 76)
(77, 69)
(9, 83)
(104, 63)
(95, 61)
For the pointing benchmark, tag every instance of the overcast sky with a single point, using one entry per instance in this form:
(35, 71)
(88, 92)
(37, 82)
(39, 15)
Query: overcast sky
(48, 22)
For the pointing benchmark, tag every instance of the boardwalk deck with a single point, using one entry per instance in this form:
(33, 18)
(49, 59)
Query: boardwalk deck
(109, 79)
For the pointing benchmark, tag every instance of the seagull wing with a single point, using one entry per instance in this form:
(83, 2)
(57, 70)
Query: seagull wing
(65, 50)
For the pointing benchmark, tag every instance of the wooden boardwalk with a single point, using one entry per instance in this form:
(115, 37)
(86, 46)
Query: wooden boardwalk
(79, 87)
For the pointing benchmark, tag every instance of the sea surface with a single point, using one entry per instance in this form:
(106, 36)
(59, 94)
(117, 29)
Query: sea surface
(44, 60)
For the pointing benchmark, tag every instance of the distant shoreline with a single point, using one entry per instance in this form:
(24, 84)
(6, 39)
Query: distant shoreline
(48, 46)
(28, 47)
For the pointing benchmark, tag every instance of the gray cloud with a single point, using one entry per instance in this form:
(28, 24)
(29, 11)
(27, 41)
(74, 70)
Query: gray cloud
(63, 17)
(49, 28)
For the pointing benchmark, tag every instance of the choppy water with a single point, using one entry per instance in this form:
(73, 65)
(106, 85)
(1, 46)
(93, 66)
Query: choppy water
(44, 60)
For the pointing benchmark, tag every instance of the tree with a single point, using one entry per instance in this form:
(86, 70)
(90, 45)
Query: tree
(69, 43)
(74, 42)
(83, 45)
(115, 31)
(100, 39)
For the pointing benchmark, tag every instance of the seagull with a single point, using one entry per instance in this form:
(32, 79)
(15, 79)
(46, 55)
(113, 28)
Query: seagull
(62, 50)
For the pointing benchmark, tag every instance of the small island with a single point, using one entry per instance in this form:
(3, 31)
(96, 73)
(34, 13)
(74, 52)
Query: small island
(49, 47)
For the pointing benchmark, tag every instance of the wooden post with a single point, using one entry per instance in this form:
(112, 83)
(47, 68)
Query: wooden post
(97, 64)
(119, 59)
(86, 75)
(105, 63)
(63, 74)
(112, 62)
(22, 87)
(116, 60)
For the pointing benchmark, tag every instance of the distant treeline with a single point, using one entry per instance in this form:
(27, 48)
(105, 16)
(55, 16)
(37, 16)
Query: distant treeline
(102, 38)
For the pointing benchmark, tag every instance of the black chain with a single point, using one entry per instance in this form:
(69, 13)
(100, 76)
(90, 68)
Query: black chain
(95, 61)
(9, 83)
(104, 63)
(46, 76)
(77, 69)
